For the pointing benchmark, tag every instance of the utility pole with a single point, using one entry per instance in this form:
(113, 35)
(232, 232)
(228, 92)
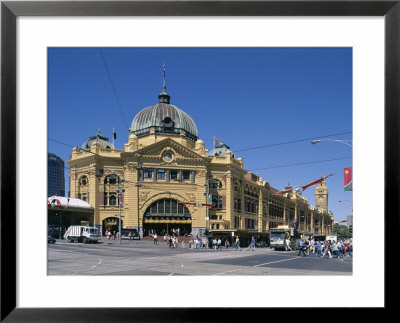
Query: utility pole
(120, 191)
(207, 217)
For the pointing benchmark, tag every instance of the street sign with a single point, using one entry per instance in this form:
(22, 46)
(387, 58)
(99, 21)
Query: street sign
(207, 218)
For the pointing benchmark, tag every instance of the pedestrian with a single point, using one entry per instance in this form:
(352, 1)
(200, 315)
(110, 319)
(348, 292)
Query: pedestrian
(226, 243)
(340, 247)
(155, 238)
(350, 251)
(287, 245)
(318, 246)
(303, 247)
(308, 245)
(238, 244)
(183, 243)
(130, 236)
(253, 244)
(219, 243)
(327, 250)
(335, 250)
(312, 243)
(205, 243)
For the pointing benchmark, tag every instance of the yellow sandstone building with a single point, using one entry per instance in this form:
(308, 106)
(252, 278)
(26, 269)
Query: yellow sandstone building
(164, 178)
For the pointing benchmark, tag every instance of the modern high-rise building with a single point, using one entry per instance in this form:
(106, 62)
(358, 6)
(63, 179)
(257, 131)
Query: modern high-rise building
(55, 176)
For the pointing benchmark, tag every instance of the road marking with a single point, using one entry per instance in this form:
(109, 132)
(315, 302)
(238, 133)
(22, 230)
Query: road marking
(229, 271)
(99, 263)
(272, 262)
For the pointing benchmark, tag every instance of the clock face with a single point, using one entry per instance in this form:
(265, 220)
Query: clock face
(320, 198)
(167, 156)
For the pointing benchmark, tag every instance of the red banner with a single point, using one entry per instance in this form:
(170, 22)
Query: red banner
(348, 179)
(316, 182)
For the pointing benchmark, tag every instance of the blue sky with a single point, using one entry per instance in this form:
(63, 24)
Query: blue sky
(250, 97)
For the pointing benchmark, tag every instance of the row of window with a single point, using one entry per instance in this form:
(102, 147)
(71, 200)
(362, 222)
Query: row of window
(167, 174)
(109, 179)
(250, 223)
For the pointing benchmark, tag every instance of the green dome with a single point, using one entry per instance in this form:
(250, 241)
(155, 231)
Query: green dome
(165, 118)
(103, 141)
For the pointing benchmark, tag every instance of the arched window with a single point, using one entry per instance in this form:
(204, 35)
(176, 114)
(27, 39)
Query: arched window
(83, 181)
(111, 179)
(112, 199)
(110, 190)
(83, 188)
(215, 183)
(167, 207)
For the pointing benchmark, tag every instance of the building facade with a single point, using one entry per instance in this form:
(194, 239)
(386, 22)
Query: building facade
(164, 181)
(55, 175)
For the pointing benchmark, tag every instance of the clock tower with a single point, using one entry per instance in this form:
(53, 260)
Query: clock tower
(321, 196)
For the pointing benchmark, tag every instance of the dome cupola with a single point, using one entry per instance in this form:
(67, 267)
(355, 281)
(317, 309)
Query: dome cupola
(164, 118)
(103, 141)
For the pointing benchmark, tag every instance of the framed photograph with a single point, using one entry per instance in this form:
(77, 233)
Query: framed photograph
(46, 42)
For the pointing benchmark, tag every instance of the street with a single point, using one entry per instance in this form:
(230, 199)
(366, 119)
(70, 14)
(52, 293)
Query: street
(144, 258)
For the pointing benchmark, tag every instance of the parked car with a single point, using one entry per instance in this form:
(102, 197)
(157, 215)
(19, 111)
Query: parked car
(134, 234)
(50, 239)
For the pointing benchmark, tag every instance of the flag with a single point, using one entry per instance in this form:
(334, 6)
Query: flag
(283, 192)
(56, 201)
(348, 179)
(114, 134)
(316, 182)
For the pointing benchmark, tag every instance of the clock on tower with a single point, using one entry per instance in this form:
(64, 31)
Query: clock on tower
(321, 196)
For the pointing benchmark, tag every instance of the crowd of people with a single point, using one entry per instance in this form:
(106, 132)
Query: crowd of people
(111, 234)
(174, 241)
(334, 249)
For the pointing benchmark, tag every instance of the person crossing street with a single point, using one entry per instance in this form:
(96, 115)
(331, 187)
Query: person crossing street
(303, 247)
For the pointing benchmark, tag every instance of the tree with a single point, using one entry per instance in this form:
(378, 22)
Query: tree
(341, 231)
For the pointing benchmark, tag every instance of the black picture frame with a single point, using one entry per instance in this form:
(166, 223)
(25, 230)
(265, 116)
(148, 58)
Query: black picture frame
(10, 10)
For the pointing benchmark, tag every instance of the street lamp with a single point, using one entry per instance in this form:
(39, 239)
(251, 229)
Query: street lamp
(207, 218)
(346, 142)
(139, 168)
(120, 190)
(138, 221)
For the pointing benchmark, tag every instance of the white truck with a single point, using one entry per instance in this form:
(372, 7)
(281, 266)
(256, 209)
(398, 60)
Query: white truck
(81, 233)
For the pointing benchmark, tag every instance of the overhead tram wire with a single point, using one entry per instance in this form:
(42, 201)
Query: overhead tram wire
(298, 164)
(113, 88)
(292, 141)
(250, 170)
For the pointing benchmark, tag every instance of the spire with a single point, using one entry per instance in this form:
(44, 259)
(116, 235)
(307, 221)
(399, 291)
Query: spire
(164, 97)
(164, 84)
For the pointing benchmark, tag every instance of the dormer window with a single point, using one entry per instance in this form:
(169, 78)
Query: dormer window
(168, 123)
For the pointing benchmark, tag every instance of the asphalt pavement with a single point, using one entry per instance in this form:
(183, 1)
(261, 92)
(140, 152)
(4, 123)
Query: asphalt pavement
(143, 257)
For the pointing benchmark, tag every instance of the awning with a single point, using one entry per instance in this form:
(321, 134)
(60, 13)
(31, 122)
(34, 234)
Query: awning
(166, 221)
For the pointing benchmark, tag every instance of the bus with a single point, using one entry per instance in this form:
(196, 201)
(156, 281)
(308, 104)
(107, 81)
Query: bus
(325, 237)
(278, 236)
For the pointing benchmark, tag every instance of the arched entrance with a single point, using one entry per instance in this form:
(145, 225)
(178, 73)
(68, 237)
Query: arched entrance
(112, 224)
(167, 216)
